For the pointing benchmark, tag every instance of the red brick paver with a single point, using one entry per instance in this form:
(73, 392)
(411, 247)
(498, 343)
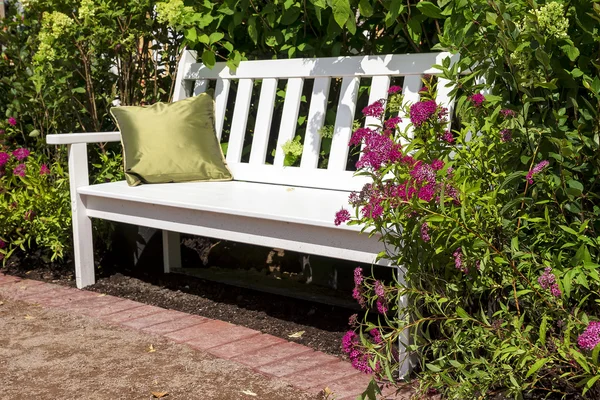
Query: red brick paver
(299, 365)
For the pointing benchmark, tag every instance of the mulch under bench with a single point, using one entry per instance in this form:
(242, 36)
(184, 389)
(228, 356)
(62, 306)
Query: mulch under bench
(299, 365)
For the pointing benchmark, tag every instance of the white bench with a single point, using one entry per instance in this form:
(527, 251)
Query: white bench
(291, 208)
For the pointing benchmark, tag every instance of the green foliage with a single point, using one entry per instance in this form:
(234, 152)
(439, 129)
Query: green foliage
(231, 31)
(62, 66)
(496, 223)
(293, 151)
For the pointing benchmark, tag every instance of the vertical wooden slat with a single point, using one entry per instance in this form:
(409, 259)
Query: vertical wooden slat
(443, 97)
(379, 90)
(264, 117)
(289, 117)
(171, 251)
(410, 90)
(221, 97)
(315, 121)
(182, 86)
(343, 124)
(200, 86)
(240, 120)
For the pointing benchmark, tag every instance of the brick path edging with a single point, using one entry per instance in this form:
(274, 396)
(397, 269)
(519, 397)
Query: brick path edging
(300, 366)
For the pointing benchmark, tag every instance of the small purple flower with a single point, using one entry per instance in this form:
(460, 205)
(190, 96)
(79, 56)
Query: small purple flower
(12, 121)
(458, 261)
(21, 153)
(353, 320)
(44, 170)
(348, 341)
(373, 209)
(437, 165)
(2, 244)
(448, 137)
(394, 89)
(1, 131)
(505, 135)
(477, 99)
(392, 122)
(381, 306)
(376, 335)
(358, 276)
(425, 232)
(4, 157)
(423, 173)
(357, 295)
(342, 216)
(20, 170)
(379, 289)
(536, 170)
(507, 113)
(427, 192)
(374, 110)
(555, 290)
(359, 135)
(422, 111)
(590, 337)
(548, 281)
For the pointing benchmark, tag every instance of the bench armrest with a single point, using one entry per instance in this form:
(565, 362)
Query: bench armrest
(73, 138)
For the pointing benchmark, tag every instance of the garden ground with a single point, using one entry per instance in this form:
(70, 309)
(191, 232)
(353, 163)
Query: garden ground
(49, 349)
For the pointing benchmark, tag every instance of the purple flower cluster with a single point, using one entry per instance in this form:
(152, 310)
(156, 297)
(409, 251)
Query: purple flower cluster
(373, 208)
(394, 89)
(374, 110)
(459, 262)
(505, 135)
(548, 281)
(422, 111)
(448, 137)
(357, 291)
(352, 347)
(381, 302)
(20, 170)
(21, 153)
(425, 232)
(44, 170)
(477, 99)
(437, 164)
(341, 216)
(4, 157)
(12, 121)
(423, 173)
(590, 337)
(508, 113)
(379, 289)
(358, 198)
(2, 244)
(359, 135)
(536, 170)
(392, 122)
(427, 192)
(379, 150)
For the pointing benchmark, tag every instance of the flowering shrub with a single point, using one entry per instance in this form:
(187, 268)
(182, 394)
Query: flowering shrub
(34, 204)
(494, 223)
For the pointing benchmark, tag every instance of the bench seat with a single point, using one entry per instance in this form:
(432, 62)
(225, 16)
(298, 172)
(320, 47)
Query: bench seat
(293, 218)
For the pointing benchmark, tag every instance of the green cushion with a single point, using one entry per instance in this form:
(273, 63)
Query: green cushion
(171, 142)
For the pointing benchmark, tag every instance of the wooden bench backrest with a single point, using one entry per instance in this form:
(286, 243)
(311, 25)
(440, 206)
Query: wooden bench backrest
(193, 78)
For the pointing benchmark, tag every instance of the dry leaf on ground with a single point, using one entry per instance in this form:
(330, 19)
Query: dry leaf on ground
(296, 334)
(159, 395)
(151, 349)
(249, 393)
(29, 316)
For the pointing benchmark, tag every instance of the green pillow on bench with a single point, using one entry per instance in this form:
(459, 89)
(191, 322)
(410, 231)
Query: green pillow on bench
(171, 142)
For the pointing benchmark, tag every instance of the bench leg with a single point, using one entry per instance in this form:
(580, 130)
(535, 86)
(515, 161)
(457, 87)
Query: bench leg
(171, 250)
(406, 360)
(83, 244)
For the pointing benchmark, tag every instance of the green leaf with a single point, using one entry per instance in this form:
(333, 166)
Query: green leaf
(215, 37)
(341, 11)
(535, 367)
(433, 368)
(571, 51)
(252, 31)
(78, 90)
(191, 35)
(429, 9)
(34, 133)
(208, 58)
(462, 313)
(365, 8)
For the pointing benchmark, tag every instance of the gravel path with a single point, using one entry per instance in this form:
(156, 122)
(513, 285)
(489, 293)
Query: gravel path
(49, 354)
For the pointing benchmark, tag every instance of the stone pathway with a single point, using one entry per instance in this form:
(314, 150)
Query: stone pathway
(303, 368)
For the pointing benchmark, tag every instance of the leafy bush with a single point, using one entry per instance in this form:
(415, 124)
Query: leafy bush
(63, 65)
(495, 223)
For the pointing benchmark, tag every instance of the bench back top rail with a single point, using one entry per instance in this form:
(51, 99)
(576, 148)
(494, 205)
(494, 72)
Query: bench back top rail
(193, 78)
